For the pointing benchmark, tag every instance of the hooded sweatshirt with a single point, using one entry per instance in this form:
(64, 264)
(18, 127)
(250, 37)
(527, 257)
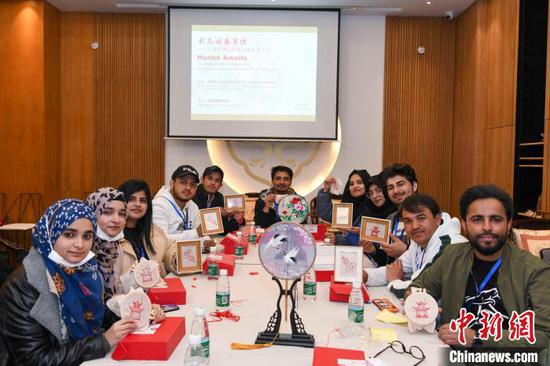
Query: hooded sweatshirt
(415, 259)
(177, 223)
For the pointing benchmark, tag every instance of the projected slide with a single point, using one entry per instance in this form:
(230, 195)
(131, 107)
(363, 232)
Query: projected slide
(253, 73)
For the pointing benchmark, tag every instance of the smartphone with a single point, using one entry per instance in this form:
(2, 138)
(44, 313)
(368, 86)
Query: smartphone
(385, 304)
(169, 307)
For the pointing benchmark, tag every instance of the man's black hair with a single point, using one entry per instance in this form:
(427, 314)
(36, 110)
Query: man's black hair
(281, 168)
(416, 202)
(404, 170)
(485, 191)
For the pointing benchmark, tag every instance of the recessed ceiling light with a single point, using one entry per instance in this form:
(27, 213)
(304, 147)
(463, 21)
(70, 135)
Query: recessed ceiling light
(354, 8)
(428, 3)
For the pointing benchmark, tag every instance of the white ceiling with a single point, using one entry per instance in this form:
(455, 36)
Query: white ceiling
(360, 7)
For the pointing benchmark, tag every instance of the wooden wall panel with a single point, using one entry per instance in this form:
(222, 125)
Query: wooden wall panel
(499, 157)
(546, 168)
(418, 94)
(76, 162)
(129, 99)
(22, 146)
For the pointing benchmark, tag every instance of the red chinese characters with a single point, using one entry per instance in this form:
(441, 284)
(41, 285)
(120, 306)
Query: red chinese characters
(459, 325)
(491, 325)
(522, 326)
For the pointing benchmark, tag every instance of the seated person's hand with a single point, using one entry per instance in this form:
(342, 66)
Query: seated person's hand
(119, 330)
(226, 211)
(394, 271)
(207, 244)
(365, 276)
(451, 338)
(395, 248)
(269, 199)
(239, 217)
(162, 270)
(368, 246)
(157, 315)
(327, 183)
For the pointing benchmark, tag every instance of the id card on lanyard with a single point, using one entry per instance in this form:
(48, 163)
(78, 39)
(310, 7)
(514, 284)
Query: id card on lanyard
(486, 280)
(185, 218)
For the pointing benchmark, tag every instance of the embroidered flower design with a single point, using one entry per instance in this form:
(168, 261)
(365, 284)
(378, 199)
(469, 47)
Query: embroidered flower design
(59, 283)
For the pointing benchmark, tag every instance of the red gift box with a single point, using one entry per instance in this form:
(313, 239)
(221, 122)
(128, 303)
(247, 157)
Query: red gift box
(173, 294)
(226, 261)
(339, 291)
(229, 243)
(158, 346)
(324, 275)
(325, 356)
(318, 231)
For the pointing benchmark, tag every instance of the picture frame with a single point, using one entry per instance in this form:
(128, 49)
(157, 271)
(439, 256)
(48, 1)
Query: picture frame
(348, 263)
(375, 229)
(342, 215)
(211, 221)
(234, 202)
(188, 257)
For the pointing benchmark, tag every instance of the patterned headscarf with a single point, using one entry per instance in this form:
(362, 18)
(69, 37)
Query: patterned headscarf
(107, 252)
(79, 288)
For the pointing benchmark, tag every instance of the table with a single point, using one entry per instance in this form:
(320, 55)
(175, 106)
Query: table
(258, 294)
(19, 233)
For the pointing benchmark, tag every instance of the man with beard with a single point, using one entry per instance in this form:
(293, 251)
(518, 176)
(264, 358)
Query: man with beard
(173, 208)
(488, 273)
(265, 211)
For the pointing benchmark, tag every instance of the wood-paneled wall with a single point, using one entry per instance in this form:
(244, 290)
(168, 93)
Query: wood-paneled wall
(546, 168)
(484, 104)
(418, 94)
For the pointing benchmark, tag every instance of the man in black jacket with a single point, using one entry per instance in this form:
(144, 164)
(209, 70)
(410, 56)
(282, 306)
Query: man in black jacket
(208, 196)
(265, 211)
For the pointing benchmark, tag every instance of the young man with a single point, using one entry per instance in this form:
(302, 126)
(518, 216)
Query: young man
(428, 232)
(266, 206)
(208, 195)
(488, 274)
(401, 183)
(173, 208)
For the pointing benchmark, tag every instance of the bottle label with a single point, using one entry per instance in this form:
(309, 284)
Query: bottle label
(239, 251)
(205, 343)
(310, 288)
(252, 238)
(213, 269)
(356, 314)
(197, 351)
(222, 299)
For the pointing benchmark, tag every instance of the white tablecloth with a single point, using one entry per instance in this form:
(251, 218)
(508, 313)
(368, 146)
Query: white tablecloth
(258, 294)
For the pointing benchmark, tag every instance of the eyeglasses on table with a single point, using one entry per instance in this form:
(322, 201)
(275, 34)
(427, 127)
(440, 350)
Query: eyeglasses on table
(400, 348)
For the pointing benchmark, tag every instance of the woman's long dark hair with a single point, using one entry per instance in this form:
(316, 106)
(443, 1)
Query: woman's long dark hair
(144, 224)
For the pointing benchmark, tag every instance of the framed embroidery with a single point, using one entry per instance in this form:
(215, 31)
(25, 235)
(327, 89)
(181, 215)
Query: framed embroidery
(348, 263)
(211, 221)
(234, 202)
(374, 229)
(188, 259)
(342, 215)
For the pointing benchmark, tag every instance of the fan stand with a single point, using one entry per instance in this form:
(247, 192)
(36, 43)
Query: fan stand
(299, 337)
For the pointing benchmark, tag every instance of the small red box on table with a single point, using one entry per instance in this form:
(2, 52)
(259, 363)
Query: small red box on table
(325, 356)
(226, 261)
(173, 294)
(339, 291)
(158, 346)
(318, 231)
(229, 243)
(324, 275)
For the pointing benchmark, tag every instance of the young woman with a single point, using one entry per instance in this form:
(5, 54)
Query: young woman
(354, 192)
(109, 206)
(52, 305)
(142, 238)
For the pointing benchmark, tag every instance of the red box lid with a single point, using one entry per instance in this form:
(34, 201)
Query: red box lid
(344, 289)
(175, 293)
(326, 356)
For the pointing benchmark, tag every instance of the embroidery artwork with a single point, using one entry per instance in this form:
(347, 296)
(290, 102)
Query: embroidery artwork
(147, 273)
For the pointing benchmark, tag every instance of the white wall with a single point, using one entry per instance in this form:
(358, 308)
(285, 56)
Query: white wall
(361, 113)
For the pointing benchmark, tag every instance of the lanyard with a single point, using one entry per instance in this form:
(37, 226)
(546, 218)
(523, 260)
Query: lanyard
(209, 200)
(418, 259)
(395, 228)
(486, 280)
(180, 214)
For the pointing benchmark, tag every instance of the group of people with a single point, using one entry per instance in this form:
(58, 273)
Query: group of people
(53, 305)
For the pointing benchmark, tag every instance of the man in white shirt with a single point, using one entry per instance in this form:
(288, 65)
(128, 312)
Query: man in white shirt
(173, 208)
(429, 230)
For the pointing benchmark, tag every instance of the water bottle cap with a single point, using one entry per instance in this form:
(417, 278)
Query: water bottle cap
(194, 339)
(200, 311)
(223, 272)
(356, 284)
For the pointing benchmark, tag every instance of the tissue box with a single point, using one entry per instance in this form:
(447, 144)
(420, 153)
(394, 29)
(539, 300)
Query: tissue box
(173, 294)
(158, 346)
(325, 356)
(339, 291)
(229, 243)
(226, 261)
(318, 231)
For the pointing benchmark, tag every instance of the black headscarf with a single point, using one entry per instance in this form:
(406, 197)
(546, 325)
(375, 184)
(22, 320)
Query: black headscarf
(360, 204)
(388, 207)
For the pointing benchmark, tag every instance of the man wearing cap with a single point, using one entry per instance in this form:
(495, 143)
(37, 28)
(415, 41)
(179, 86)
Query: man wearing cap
(208, 195)
(173, 208)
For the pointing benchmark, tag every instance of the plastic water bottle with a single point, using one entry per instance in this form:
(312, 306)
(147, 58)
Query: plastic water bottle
(356, 306)
(222, 292)
(310, 285)
(212, 266)
(195, 353)
(239, 246)
(200, 328)
(251, 232)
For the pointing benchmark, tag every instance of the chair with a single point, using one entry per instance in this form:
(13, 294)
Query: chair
(3, 208)
(545, 255)
(313, 211)
(14, 250)
(19, 209)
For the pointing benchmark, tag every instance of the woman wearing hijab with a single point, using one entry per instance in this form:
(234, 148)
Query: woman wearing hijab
(142, 238)
(52, 305)
(109, 206)
(354, 192)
